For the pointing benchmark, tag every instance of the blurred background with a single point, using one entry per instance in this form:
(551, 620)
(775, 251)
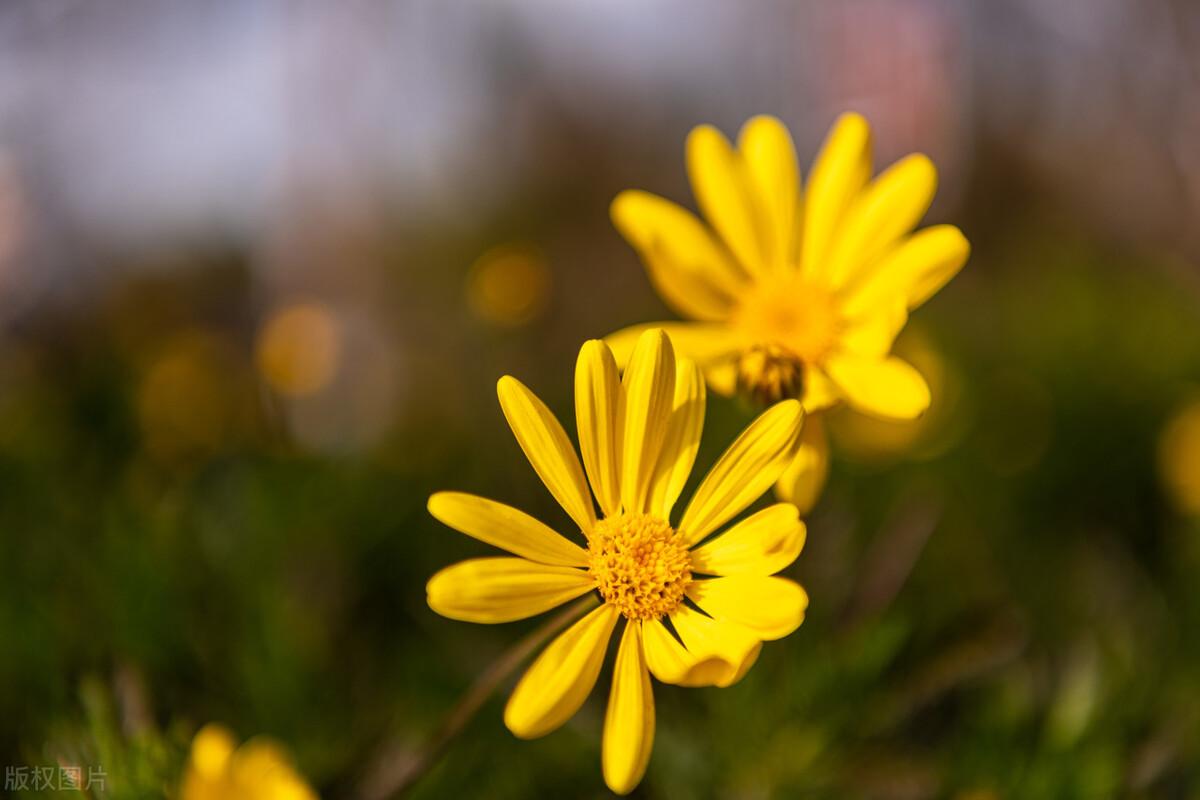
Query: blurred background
(261, 264)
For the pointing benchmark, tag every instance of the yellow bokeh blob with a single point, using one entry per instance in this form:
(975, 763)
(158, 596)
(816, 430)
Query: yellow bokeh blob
(298, 349)
(508, 285)
(185, 400)
(1179, 458)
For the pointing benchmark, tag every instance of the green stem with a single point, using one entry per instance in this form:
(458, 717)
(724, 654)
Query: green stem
(396, 777)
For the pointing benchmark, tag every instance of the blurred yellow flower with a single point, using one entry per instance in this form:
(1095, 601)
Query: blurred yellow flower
(1179, 458)
(795, 294)
(638, 438)
(258, 770)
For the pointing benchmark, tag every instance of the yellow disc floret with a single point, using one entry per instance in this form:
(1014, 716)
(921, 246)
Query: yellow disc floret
(792, 322)
(640, 565)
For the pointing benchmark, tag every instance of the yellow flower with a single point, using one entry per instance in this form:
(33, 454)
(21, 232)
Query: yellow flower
(795, 293)
(638, 437)
(258, 770)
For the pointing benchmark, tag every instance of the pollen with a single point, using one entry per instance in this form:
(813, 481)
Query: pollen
(640, 565)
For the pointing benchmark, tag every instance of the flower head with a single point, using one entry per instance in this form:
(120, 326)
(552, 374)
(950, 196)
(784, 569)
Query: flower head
(795, 293)
(217, 769)
(695, 607)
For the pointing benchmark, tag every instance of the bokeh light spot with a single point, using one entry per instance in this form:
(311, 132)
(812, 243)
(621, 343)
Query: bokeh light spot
(184, 401)
(1179, 458)
(508, 285)
(298, 349)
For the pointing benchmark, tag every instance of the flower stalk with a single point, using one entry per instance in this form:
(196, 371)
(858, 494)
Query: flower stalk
(397, 774)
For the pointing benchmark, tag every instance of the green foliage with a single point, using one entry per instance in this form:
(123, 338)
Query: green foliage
(1010, 614)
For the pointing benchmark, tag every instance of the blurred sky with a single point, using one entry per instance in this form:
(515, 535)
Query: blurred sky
(127, 123)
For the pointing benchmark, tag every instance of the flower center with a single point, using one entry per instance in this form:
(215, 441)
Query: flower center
(768, 373)
(795, 322)
(640, 565)
(798, 315)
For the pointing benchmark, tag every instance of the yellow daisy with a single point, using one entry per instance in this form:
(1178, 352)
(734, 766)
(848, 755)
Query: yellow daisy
(217, 769)
(795, 293)
(638, 436)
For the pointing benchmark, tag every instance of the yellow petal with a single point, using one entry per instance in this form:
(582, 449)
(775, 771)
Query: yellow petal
(599, 410)
(559, 681)
(890, 207)
(548, 449)
(873, 333)
(747, 469)
(212, 747)
(770, 159)
(667, 659)
(841, 171)
(649, 383)
(195, 786)
(262, 768)
(503, 589)
(717, 671)
(914, 270)
(761, 544)
(801, 483)
(888, 387)
(770, 607)
(682, 439)
(702, 342)
(932, 261)
(688, 266)
(723, 651)
(721, 375)
(506, 528)
(629, 722)
(820, 393)
(722, 191)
